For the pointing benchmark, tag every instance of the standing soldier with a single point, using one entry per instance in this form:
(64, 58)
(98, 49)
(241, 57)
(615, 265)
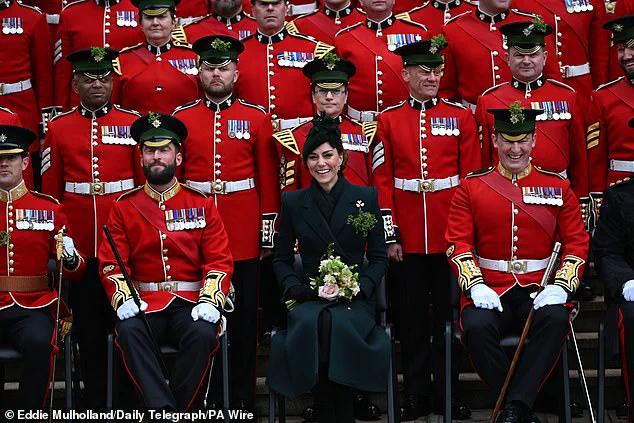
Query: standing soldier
(476, 47)
(173, 244)
(561, 128)
(613, 10)
(7, 117)
(581, 46)
(610, 150)
(503, 223)
(434, 15)
(370, 46)
(29, 225)
(237, 167)
(191, 10)
(325, 22)
(271, 65)
(159, 74)
(296, 8)
(85, 24)
(228, 19)
(88, 161)
(424, 146)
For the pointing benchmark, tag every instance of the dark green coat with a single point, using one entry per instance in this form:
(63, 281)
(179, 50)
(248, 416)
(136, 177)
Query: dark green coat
(359, 351)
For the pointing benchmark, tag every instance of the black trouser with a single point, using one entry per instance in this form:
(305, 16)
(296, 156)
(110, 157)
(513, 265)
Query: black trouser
(334, 401)
(93, 319)
(424, 280)
(243, 332)
(273, 311)
(196, 341)
(30, 331)
(483, 330)
(626, 328)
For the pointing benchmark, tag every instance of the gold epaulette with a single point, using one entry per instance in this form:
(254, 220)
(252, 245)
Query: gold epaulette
(369, 130)
(130, 192)
(321, 49)
(593, 133)
(287, 139)
(116, 65)
(45, 196)
(480, 172)
(178, 34)
(291, 27)
(197, 191)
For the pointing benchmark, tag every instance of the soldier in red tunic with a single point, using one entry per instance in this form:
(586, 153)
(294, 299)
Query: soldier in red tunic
(230, 156)
(435, 14)
(159, 74)
(7, 117)
(191, 10)
(29, 223)
(423, 147)
(610, 150)
(228, 19)
(370, 45)
(270, 67)
(325, 22)
(503, 223)
(174, 246)
(91, 23)
(88, 161)
(476, 47)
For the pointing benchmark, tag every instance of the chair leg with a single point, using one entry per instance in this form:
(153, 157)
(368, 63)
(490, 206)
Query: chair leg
(566, 380)
(392, 415)
(282, 408)
(68, 367)
(272, 398)
(601, 375)
(448, 378)
(224, 344)
(76, 372)
(110, 375)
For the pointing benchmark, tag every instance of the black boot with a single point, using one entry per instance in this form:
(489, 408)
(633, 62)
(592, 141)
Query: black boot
(364, 409)
(413, 407)
(459, 410)
(513, 412)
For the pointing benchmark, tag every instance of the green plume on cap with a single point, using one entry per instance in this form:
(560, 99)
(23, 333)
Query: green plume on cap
(330, 59)
(538, 24)
(437, 43)
(154, 120)
(517, 114)
(98, 53)
(222, 46)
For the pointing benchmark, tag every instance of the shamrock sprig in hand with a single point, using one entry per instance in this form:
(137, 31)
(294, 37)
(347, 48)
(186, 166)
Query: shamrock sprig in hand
(363, 222)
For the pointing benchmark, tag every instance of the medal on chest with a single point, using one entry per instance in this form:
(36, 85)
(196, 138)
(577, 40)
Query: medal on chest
(127, 18)
(35, 220)
(553, 110)
(445, 126)
(577, 6)
(395, 41)
(543, 195)
(12, 26)
(185, 219)
(355, 142)
(293, 59)
(186, 66)
(242, 34)
(239, 129)
(119, 135)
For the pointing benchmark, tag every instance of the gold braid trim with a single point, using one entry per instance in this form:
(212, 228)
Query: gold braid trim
(469, 272)
(122, 294)
(211, 291)
(568, 274)
(592, 135)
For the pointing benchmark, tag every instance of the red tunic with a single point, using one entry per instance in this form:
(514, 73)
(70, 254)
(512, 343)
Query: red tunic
(213, 153)
(476, 47)
(153, 253)
(410, 147)
(357, 140)
(378, 83)
(615, 9)
(240, 26)
(271, 74)
(86, 147)
(28, 250)
(324, 23)
(485, 223)
(192, 9)
(579, 40)
(86, 24)
(435, 14)
(156, 79)
(7, 117)
(560, 145)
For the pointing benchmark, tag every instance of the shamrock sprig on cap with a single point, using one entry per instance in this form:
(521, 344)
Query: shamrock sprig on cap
(517, 113)
(154, 120)
(330, 60)
(98, 53)
(220, 45)
(438, 43)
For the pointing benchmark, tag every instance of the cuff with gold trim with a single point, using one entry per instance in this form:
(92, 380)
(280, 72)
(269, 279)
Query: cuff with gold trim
(211, 291)
(267, 239)
(469, 273)
(568, 275)
(122, 293)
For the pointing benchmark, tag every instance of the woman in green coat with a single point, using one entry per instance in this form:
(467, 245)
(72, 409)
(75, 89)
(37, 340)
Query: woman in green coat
(331, 346)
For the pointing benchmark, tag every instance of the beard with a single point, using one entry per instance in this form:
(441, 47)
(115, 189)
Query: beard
(628, 72)
(216, 91)
(161, 176)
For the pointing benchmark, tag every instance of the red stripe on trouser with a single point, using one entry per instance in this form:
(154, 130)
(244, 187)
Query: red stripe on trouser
(557, 360)
(624, 358)
(127, 369)
(206, 370)
(54, 351)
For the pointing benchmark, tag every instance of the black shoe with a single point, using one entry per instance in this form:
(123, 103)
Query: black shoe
(310, 414)
(532, 418)
(459, 410)
(364, 409)
(513, 412)
(584, 292)
(622, 410)
(413, 408)
(576, 409)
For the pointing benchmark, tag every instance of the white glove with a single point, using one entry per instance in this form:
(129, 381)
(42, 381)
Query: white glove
(551, 295)
(69, 248)
(206, 311)
(130, 309)
(628, 290)
(485, 297)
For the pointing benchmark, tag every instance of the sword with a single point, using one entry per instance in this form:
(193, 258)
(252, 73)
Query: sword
(581, 371)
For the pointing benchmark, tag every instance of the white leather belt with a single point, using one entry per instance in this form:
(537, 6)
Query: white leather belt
(622, 165)
(52, 19)
(363, 116)
(519, 267)
(281, 124)
(223, 187)
(301, 9)
(16, 87)
(426, 185)
(469, 105)
(99, 188)
(168, 286)
(572, 71)
(184, 21)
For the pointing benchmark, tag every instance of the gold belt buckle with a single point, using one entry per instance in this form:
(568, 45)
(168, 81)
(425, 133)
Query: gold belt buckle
(219, 187)
(564, 71)
(426, 186)
(168, 286)
(517, 266)
(97, 188)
